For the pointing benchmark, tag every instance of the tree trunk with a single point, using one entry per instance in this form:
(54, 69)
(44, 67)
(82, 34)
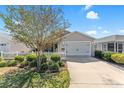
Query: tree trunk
(38, 54)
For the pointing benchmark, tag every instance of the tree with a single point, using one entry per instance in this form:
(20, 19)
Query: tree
(36, 26)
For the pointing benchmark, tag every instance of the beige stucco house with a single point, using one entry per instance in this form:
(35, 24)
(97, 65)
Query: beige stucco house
(76, 44)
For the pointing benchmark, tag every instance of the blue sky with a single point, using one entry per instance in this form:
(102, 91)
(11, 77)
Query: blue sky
(97, 21)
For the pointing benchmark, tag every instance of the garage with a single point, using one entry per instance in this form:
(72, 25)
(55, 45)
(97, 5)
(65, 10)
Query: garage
(78, 48)
(76, 44)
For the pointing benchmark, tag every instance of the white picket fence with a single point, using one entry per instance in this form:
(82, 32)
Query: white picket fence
(11, 55)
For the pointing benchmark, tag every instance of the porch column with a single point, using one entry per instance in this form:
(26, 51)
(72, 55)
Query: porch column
(114, 46)
(117, 47)
(106, 46)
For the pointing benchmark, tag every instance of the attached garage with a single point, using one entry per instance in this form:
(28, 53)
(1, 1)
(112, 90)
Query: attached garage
(76, 44)
(78, 48)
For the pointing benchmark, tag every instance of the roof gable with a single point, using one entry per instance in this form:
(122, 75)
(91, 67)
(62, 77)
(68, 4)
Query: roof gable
(77, 36)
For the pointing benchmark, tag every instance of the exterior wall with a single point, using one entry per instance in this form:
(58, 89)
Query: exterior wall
(12, 45)
(18, 47)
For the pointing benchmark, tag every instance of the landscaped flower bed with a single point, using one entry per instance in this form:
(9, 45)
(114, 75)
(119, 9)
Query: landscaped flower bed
(29, 78)
(53, 72)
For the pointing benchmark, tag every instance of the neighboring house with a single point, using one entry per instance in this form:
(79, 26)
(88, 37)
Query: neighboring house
(114, 43)
(75, 44)
(7, 44)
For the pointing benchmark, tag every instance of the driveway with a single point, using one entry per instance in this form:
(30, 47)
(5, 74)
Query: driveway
(90, 72)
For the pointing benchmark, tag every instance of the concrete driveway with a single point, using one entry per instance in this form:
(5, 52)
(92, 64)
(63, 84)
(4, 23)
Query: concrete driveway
(90, 72)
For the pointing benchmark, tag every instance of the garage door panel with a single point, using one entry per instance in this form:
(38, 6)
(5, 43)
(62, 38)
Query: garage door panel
(78, 48)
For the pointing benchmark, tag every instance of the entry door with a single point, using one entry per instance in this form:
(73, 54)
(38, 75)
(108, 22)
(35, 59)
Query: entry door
(76, 48)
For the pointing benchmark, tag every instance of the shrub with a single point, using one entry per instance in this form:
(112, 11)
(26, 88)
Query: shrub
(118, 58)
(54, 67)
(44, 58)
(19, 58)
(1, 59)
(61, 64)
(31, 57)
(44, 67)
(2, 64)
(98, 54)
(23, 64)
(55, 57)
(107, 56)
(12, 63)
(33, 63)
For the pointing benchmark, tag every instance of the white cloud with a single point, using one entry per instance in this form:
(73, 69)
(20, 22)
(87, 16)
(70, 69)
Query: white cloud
(105, 32)
(92, 32)
(122, 31)
(87, 7)
(92, 15)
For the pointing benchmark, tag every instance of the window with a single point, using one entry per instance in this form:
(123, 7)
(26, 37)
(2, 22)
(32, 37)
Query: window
(104, 47)
(3, 44)
(111, 47)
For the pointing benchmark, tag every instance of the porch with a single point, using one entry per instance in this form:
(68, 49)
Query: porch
(114, 46)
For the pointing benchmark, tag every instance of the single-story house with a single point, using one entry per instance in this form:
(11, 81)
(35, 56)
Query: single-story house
(7, 44)
(75, 44)
(114, 43)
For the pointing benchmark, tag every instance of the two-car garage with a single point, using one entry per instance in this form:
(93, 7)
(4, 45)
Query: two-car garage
(76, 44)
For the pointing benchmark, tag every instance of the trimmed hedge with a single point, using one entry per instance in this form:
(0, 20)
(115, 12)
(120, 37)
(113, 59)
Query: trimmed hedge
(12, 63)
(3, 64)
(98, 54)
(54, 67)
(118, 58)
(19, 58)
(107, 56)
(31, 57)
(55, 57)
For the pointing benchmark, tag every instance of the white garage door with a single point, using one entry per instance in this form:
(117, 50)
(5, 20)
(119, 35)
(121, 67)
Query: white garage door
(78, 48)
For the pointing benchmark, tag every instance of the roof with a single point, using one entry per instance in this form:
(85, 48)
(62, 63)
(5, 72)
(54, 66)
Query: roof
(111, 38)
(78, 33)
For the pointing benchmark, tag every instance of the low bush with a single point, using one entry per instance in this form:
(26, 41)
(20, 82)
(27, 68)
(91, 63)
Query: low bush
(12, 63)
(44, 67)
(61, 64)
(55, 57)
(23, 64)
(44, 58)
(107, 56)
(31, 57)
(118, 58)
(19, 58)
(54, 67)
(33, 63)
(3, 64)
(98, 54)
